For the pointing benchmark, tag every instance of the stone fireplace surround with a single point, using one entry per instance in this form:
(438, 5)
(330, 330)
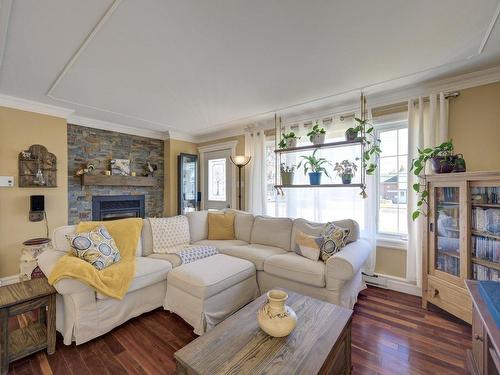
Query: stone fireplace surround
(100, 146)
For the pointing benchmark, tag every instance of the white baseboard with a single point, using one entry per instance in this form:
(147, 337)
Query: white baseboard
(9, 280)
(397, 284)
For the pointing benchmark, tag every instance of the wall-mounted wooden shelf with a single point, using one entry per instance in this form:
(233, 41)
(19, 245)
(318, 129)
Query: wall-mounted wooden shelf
(358, 141)
(103, 180)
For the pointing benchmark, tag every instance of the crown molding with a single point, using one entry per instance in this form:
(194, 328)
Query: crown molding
(33, 106)
(181, 136)
(111, 126)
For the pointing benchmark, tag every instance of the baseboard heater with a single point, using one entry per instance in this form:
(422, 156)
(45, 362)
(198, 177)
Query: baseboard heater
(375, 280)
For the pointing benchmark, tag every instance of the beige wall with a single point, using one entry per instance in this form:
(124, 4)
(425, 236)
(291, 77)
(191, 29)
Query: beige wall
(240, 150)
(474, 126)
(173, 148)
(18, 131)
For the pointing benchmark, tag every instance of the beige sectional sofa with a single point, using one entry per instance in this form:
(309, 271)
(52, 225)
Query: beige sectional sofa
(208, 290)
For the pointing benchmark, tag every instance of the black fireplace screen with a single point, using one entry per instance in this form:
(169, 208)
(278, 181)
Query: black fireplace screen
(113, 207)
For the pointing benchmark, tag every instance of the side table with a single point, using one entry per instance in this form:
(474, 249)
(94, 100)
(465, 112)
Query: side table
(19, 298)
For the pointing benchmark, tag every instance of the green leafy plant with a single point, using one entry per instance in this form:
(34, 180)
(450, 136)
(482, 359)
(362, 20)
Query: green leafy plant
(285, 137)
(372, 148)
(316, 129)
(346, 168)
(445, 154)
(314, 164)
(286, 168)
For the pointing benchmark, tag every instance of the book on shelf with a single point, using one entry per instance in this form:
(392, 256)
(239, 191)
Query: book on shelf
(448, 264)
(447, 195)
(480, 272)
(485, 248)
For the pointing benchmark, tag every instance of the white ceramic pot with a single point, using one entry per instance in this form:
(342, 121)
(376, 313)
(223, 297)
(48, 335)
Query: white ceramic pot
(291, 143)
(275, 318)
(318, 139)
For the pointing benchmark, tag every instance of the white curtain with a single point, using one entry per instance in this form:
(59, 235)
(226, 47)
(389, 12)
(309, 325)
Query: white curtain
(255, 172)
(427, 127)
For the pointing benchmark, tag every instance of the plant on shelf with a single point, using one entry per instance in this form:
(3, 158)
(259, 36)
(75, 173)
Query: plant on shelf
(372, 150)
(287, 174)
(288, 140)
(346, 170)
(317, 135)
(316, 166)
(443, 160)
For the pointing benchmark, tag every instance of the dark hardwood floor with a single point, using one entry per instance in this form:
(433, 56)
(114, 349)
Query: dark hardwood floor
(391, 334)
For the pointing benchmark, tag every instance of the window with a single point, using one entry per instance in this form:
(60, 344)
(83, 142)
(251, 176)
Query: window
(392, 181)
(217, 180)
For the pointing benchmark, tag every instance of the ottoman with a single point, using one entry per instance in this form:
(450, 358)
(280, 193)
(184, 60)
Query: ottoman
(208, 290)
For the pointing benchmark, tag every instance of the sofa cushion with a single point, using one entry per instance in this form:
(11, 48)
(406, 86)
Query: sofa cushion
(174, 259)
(255, 253)
(315, 229)
(296, 268)
(272, 231)
(221, 225)
(169, 232)
(221, 244)
(198, 225)
(148, 271)
(243, 223)
(61, 243)
(209, 276)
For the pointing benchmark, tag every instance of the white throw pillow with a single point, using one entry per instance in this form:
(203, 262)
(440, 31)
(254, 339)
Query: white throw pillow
(170, 234)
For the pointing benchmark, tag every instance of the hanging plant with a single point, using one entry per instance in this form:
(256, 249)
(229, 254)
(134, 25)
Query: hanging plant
(372, 151)
(288, 140)
(317, 134)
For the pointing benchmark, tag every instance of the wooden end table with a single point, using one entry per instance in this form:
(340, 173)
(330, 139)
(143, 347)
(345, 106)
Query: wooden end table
(320, 344)
(20, 298)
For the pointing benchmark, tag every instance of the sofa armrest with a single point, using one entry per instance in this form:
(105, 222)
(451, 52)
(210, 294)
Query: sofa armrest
(47, 260)
(345, 264)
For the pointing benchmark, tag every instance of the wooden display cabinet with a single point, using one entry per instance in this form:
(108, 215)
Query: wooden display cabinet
(461, 238)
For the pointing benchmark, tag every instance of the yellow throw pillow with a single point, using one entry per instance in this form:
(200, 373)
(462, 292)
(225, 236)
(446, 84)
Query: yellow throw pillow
(221, 226)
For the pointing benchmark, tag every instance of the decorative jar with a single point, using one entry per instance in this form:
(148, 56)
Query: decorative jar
(274, 317)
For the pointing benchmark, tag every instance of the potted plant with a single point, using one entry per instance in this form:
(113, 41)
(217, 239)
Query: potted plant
(288, 140)
(317, 135)
(287, 174)
(443, 160)
(316, 166)
(372, 143)
(346, 170)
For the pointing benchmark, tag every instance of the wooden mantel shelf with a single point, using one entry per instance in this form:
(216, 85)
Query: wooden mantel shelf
(103, 180)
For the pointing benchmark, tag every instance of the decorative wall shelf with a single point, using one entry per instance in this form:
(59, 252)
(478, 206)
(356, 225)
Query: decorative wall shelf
(37, 167)
(358, 141)
(103, 180)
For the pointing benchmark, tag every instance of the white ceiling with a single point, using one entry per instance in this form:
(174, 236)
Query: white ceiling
(196, 66)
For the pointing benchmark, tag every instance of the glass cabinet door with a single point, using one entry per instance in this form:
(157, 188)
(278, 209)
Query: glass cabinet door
(188, 183)
(485, 230)
(447, 219)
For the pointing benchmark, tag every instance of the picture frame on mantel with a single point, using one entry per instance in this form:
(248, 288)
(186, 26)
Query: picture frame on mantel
(37, 168)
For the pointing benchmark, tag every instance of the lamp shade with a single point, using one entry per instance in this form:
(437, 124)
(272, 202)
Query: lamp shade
(240, 160)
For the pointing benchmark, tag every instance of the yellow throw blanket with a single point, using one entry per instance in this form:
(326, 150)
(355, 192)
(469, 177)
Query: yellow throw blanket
(114, 280)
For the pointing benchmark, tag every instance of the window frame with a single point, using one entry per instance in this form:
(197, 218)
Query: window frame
(389, 240)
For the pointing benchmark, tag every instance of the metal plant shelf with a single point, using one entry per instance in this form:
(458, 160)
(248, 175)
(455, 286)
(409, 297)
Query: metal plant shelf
(319, 186)
(324, 145)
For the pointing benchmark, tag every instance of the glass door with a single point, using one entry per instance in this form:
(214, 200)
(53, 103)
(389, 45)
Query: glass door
(485, 230)
(448, 229)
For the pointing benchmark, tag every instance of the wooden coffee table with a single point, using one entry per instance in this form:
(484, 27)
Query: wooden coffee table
(15, 299)
(321, 343)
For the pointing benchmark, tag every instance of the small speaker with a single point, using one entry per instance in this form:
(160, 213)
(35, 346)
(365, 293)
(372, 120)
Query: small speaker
(37, 203)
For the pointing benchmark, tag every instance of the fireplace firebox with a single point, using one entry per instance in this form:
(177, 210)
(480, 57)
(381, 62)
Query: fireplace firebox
(114, 207)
